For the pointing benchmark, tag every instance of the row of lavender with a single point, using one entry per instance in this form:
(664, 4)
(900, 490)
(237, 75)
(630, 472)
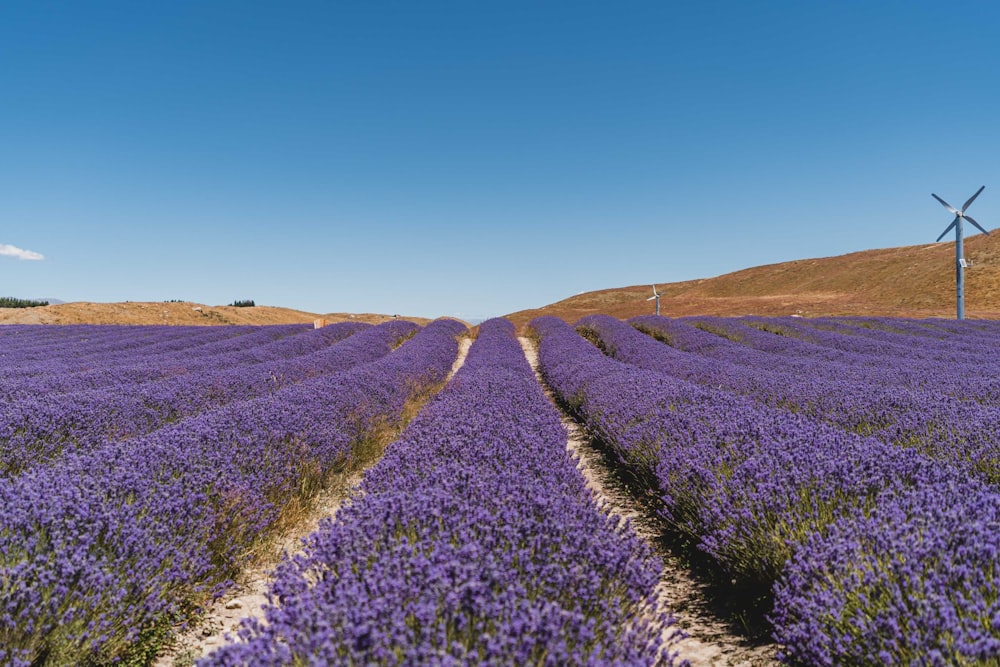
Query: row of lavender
(923, 341)
(164, 354)
(47, 414)
(69, 354)
(473, 541)
(897, 358)
(946, 404)
(69, 347)
(876, 555)
(105, 549)
(959, 361)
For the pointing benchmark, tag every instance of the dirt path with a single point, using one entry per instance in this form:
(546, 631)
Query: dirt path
(248, 598)
(710, 641)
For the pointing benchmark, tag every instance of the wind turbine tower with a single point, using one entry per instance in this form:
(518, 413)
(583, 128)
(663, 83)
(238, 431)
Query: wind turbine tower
(960, 262)
(656, 295)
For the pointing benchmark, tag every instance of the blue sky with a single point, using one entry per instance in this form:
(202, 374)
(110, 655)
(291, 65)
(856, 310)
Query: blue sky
(476, 158)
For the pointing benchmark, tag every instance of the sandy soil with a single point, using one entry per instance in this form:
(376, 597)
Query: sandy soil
(710, 641)
(248, 598)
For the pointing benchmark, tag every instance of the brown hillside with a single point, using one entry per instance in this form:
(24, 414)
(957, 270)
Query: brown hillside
(185, 312)
(910, 281)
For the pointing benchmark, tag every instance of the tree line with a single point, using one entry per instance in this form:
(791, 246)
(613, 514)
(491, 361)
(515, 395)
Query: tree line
(12, 302)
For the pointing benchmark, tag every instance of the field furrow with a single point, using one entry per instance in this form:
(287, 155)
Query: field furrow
(473, 541)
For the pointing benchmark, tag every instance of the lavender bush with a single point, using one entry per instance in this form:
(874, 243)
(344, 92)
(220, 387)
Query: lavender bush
(915, 583)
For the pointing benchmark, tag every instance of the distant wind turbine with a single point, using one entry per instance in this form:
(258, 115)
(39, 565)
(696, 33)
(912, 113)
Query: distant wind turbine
(960, 262)
(656, 295)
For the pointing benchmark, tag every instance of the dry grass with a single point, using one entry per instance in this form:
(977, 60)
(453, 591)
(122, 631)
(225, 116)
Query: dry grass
(910, 281)
(177, 313)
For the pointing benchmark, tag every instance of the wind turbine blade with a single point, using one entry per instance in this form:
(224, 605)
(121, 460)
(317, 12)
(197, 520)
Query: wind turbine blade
(945, 204)
(976, 224)
(950, 227)
(650, 298)
(972, 199)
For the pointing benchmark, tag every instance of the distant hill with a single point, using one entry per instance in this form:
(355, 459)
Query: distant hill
(175, 312)
(909, 281)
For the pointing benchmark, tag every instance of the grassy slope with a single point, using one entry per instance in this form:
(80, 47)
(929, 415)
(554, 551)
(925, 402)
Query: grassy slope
(910, 281)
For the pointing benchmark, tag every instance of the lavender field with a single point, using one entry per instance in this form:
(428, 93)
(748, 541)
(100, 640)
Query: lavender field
(842, 471)
(834, 464)
(129, 499)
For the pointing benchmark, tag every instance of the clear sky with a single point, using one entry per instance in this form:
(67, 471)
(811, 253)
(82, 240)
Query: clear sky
(474, 158)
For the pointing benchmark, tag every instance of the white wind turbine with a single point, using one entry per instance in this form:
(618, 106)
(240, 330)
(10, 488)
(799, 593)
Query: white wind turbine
(656, 295)
(960, 262)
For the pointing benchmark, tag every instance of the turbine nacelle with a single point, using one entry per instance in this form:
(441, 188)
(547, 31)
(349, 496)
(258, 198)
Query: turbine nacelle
(960, 215)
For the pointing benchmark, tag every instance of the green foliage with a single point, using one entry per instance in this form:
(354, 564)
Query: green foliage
(661, 336)
(11, 302)
(248, 303)
(719, 331)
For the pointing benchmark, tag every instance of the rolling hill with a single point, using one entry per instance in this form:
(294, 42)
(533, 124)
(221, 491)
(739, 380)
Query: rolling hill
(909, 281)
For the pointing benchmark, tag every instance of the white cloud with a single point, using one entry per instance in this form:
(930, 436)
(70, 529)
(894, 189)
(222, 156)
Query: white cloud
(12, 251)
